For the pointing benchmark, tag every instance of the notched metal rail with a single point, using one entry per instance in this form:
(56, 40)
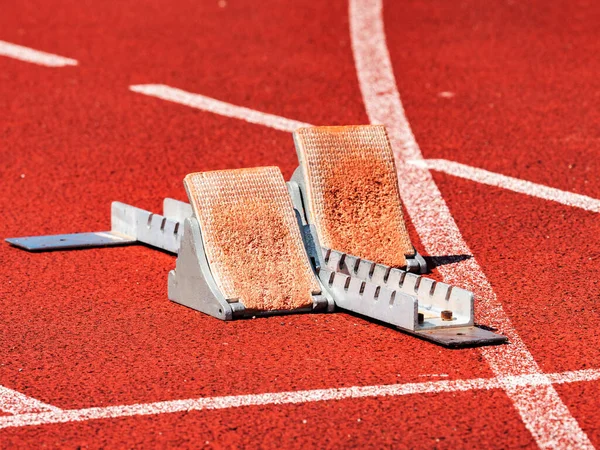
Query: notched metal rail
(442, 313)
(128, 226)
(366, 298)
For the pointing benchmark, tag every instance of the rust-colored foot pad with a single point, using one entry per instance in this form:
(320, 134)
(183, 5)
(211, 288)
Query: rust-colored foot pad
(352, 193)
(251, 238)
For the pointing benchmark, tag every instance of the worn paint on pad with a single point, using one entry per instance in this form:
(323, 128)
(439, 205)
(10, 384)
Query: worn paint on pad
(251, 238)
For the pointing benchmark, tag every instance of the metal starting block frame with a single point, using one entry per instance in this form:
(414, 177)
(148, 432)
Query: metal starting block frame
(393, 296)
(176, 231)
(429, 309)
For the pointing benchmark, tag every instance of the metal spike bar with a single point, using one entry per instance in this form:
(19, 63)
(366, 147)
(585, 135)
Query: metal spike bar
(433, 297)
(70, 241)
(368, 299)
(146, 227)
(420, 306)
(128, 225)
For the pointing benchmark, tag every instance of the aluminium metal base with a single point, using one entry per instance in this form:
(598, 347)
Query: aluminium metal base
(414, 304)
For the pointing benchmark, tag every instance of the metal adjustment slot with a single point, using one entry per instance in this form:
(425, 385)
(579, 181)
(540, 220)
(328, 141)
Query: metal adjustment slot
(433, 297)
(176, 210)
(368, 299)
(151, 229)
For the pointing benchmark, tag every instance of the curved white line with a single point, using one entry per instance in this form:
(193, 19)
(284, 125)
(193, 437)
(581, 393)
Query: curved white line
(541, 409)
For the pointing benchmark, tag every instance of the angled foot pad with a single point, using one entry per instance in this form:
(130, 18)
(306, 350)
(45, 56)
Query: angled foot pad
(249, 244)
(349, 187)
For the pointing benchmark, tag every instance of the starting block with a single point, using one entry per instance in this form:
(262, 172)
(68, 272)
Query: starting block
(247, 246)
(240, 251)
(346, 190)
(349, 191)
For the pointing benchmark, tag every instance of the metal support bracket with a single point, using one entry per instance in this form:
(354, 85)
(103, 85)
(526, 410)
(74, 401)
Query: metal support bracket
(192, 284)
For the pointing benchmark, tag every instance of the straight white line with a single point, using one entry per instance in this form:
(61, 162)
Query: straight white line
(540, 407)
(574, 376)
(217, 107)
(283, 398)
(34, 56)
(510, 183)
(14, 402)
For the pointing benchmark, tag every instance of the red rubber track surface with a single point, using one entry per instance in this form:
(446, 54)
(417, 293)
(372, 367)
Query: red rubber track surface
(95, 328)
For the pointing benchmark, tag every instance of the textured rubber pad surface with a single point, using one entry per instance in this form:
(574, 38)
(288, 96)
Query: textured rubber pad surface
(251, 237)
(352, 191)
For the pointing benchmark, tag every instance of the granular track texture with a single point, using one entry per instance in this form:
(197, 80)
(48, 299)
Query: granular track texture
(353, 192)
(251, 238)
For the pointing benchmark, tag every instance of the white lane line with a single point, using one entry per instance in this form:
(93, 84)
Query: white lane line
(482, 176)
(34, 56)
(574, 376)
(217, 107)
(513, 184)
(540, 407)
(283, 398)
(14, 402)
